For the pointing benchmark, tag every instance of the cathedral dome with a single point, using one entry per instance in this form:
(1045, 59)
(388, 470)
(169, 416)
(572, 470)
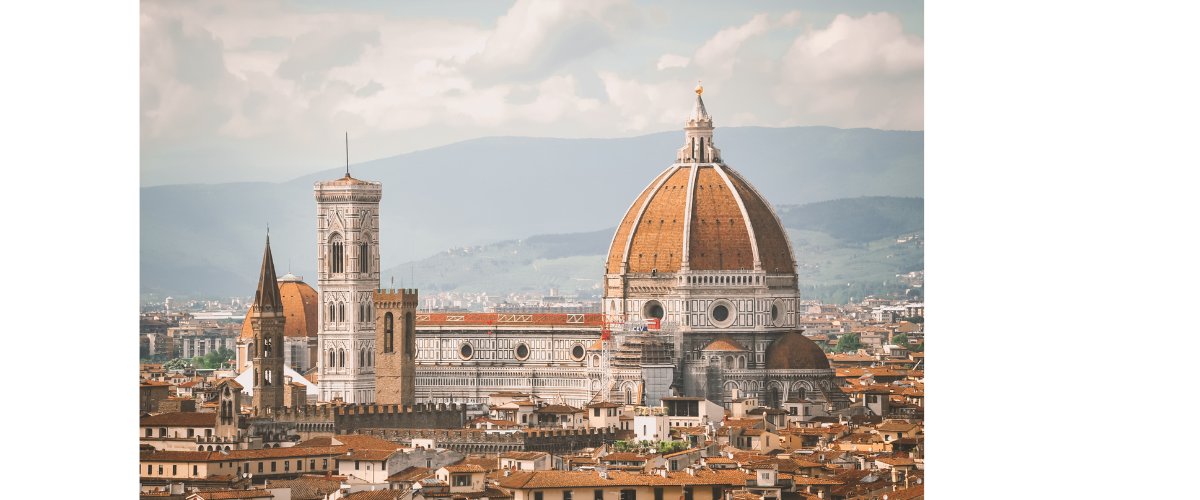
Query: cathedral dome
(793, 351)
(299, 309)
(706, 215)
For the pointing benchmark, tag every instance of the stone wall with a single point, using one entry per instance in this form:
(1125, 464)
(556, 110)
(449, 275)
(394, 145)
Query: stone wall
(560, 441)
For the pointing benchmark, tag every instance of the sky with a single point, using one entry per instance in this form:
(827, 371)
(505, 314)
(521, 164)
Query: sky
(235, 91)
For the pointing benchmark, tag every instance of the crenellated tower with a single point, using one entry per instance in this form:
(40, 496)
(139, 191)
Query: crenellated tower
(267, 321)
(396, 346)
(347, 276)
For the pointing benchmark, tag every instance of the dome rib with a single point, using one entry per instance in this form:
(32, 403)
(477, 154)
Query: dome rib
(686, 263)
(615, 260)
(745, 215)
(637, 221)
(769, 233)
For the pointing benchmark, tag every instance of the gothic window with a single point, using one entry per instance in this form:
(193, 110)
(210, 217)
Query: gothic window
(341, 309)
(362, 357)
(337, 257)
(361, 310)
(341, 358)
(332, 316)
(364, 257)
(409, 333)
(387, 333)
(332, 363)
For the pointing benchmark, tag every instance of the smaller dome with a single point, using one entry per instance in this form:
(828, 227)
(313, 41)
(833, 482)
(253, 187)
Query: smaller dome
(724, 342)
(793, 351)
(299, 309)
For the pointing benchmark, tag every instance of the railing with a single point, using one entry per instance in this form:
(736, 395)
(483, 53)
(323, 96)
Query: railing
(484, 319)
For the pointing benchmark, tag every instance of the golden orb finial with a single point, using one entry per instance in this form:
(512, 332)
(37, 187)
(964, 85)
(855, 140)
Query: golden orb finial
(699, 88)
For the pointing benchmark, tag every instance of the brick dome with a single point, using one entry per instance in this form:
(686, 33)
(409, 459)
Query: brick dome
(793, 351)
(707, 214)
(299, 309)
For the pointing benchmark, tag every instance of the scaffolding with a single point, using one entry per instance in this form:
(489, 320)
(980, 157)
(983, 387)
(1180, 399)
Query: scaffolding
(636, 344)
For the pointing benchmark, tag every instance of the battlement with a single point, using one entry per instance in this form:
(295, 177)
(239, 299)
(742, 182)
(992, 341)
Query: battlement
(398, 297)
(348, 418)
(483, 441)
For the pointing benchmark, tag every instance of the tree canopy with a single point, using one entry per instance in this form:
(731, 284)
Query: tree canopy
(848, 343)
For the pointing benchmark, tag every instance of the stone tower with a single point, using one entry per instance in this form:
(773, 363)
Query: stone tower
(229, 395)
(347, 276)
(396, 346)
(267, 321)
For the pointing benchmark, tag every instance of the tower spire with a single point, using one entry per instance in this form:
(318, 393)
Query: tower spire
(347, 153)
(266, 298)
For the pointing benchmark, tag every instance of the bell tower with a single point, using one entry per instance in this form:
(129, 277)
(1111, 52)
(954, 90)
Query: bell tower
(267, 321)
(396, 346)
(347, 276)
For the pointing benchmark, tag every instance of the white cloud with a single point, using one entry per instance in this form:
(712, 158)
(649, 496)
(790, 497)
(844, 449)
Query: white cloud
(672, 61)
(857, 72)
(266, 85)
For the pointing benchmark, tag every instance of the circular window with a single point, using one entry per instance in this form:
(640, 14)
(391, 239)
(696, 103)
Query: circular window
(777, 318)
(652, 309)
(522, 351)
(577, 352)
(466, 351)
(722, 313)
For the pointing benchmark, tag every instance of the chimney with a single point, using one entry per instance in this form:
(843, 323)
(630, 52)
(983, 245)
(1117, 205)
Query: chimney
(663, 472)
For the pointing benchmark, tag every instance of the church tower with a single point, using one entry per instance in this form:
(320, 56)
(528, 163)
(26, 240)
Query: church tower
(347, 276)
(396, 346)
(266, 322)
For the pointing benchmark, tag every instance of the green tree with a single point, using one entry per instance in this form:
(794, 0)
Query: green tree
(917, 347)
(848, 343)
(914, 319)
(176, 364)
(900, 339)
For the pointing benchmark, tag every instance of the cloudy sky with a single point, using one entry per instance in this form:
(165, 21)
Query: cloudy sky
(263, 91)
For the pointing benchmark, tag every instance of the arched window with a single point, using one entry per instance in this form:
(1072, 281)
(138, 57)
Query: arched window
(336, 257)
(361, 309)
(728, 362)
(341, 358)
(332, 360)
(742, 362)
(332, 314)
(364, 257)
(370, 358)
(387, 333)
(362, 357)
(341, 312)
(409, 333)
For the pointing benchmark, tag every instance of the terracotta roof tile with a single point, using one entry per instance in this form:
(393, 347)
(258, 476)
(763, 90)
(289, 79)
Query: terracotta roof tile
(724, 342)
(181, 419)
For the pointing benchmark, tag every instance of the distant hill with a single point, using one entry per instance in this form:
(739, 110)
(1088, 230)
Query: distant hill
(864, 261)
(858, 220)
(207, 238)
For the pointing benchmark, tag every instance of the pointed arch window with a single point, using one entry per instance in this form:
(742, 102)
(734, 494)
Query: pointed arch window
(364, 257)
(387, 333)
(341, 312)
(336, 257)
(332, 360)
(341, 358)
(362, 357)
